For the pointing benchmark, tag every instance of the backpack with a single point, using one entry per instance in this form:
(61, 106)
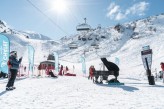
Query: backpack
(9, 64)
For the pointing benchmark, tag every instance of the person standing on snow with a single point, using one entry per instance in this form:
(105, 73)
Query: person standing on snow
(66, 70)
(162, 72)
(13, 65)
(91, 71)
(39, 70)
(61, 71)
(25, 69)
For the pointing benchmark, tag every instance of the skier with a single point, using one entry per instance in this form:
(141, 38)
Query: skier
(13, 65)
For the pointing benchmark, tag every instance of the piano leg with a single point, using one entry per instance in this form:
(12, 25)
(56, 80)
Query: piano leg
(96, 78)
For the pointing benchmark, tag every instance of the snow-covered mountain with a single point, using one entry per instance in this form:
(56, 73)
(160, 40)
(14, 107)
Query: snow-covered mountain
(124, 41)
(114, 39)
(4, 28)
(20, 39)
(34, 35)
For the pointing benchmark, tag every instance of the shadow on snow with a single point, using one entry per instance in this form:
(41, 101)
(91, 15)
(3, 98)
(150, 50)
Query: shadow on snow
(159, 86)
(3, 92)
(124, 87)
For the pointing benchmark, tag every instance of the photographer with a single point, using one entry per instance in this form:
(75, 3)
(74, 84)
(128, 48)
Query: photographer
(13, 65)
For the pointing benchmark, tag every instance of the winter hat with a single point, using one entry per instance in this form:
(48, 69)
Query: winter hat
(13, 53)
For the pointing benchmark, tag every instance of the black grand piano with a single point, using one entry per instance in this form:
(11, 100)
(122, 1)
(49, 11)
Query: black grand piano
(113, 69)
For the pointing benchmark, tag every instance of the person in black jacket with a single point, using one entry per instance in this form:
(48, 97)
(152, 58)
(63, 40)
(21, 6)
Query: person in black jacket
(13, 69)
(52, 74)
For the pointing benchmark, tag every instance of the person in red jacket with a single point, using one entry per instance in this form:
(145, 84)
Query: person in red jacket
(67, 69)
(162, 66)
(91, 71)
(61, 71)
(161, 72)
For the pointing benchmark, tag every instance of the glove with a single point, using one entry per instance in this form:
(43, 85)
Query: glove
(20, 59)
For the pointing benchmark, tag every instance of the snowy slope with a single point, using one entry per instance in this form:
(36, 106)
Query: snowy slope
(123, 41)
(114, 39)
(20, 39)
(80, 93)
(34, 35)
(125, 45)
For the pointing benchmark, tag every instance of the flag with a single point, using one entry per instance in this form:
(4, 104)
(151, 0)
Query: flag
(56, 61)
(4, 53)
(31, 52)
(83, 65)
(117, 60)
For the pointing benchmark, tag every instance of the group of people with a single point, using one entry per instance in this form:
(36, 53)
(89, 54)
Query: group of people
(63, 71)
(48, 71)
(13, 65)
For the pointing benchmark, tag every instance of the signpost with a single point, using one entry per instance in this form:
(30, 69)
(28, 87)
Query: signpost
(146, 55)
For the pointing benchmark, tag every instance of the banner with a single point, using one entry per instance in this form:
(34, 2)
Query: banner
(4, 53)
(56, 62)
(31, 52)
(83, 65)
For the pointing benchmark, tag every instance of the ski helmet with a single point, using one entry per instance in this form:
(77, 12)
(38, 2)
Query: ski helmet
(13, 53)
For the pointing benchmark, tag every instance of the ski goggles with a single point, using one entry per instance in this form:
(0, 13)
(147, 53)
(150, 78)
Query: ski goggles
(13, 53)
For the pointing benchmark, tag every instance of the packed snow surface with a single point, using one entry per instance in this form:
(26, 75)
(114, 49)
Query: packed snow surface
(81, 93)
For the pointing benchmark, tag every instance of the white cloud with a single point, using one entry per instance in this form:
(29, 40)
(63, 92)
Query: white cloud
(120, 16)
(112, 10)
(138, 9)
(116, 13)
(111, 6)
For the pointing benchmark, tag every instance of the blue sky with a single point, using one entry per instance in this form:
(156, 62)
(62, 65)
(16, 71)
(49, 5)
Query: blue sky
(54, 23)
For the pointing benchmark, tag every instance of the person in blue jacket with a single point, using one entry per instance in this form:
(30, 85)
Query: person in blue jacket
(13, 64)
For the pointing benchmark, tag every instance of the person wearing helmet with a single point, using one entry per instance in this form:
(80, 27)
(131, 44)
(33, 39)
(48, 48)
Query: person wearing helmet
(13, 68)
